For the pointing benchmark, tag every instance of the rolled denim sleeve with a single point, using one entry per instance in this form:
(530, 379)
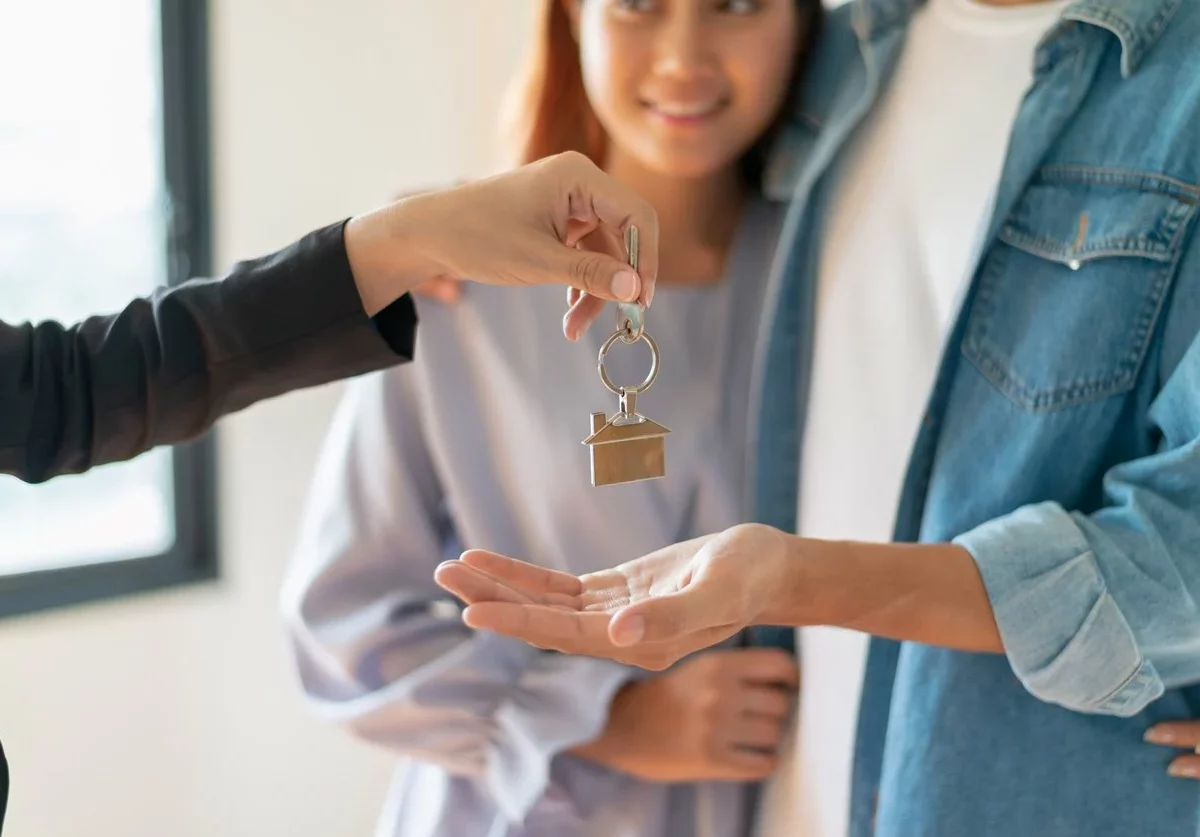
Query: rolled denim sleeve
(1098, 611)
(381, 649)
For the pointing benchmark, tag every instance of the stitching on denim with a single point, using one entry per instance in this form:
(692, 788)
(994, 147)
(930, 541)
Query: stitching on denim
(1116, 699)
(1159, 246)
(1131, 43)
(1160, 297)
(1147, 181)
(809, 121)
(996, 368)
(1182, 221)
(1070, 394)
(983, 308)
(1130, 38)
(1111, 247)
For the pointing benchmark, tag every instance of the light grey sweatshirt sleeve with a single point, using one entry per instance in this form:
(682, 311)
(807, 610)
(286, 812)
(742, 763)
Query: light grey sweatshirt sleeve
(381, 649)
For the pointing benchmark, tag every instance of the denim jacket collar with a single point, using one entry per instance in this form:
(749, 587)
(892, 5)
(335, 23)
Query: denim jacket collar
(1137, 23)
(878, 26)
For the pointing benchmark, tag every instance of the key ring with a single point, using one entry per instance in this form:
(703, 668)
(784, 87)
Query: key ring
(628, 447)
(644, 385)
(628, 395)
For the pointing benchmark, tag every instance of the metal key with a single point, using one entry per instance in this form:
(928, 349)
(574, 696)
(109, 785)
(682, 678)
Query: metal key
(628, 447)
(631, 316)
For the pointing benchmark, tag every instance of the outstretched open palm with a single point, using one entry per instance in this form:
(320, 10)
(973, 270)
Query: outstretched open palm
(648, 612)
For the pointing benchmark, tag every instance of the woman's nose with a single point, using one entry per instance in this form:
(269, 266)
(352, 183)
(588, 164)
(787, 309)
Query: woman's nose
(682, 47)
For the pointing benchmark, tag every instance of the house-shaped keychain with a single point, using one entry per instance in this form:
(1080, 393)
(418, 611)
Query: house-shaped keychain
(626, 451)
(628, 447)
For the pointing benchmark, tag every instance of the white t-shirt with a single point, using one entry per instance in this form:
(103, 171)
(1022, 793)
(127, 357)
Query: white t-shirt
(897, 251)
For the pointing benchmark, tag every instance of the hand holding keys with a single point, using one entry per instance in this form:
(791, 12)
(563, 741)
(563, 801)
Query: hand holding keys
(628, 447)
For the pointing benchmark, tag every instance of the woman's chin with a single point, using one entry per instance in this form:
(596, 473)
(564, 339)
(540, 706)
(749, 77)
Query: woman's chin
(690, 166)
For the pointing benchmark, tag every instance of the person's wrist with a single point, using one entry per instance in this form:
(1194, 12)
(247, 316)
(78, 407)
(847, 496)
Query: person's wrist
(607, 748)
(390, 252)
(787, 581)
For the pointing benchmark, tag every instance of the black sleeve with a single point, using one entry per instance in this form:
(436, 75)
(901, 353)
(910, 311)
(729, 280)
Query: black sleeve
(168, 366)
(3, 787)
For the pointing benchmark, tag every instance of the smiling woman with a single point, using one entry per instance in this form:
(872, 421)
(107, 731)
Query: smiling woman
(664, 93)
(675, 98)
(588, 86)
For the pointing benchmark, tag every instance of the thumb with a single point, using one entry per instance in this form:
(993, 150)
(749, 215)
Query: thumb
(665, 618)
(598, 274)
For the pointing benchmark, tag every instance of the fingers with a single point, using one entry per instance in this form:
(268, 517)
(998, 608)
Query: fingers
(1175, 734)
(522, 575)
(472, 585)
(558, 628)
(768, 665)
(444, 289)
(598, 274)
(755, 732)
(1185, 767)
(579, 229)
(749, 765)
(581, 314)
(592, 194)
(583, 309)
(1183, 734)
(768, 702)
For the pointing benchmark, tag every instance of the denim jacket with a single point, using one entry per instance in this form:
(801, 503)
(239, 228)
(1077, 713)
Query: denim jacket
(1060, 446)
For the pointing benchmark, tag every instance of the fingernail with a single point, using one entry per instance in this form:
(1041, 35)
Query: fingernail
(626, 285)
(649, 296)
(1160, 735)
(630, 631)
(1184, 771)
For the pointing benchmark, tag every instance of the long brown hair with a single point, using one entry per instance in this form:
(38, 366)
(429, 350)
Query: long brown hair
(548, 110)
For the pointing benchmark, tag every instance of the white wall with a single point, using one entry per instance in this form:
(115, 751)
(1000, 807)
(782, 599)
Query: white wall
(176, 713)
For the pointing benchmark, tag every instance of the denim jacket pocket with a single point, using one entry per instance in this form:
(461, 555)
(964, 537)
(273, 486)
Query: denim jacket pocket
(1069, 295)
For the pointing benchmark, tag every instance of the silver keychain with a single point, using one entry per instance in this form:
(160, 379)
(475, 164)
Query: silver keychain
(628, 447)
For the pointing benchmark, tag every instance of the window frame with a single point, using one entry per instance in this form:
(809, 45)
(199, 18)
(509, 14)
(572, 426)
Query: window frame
(185, 136)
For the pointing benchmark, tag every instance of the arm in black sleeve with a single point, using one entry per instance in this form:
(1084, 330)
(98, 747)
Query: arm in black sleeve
(3, 787)
(165, 368)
